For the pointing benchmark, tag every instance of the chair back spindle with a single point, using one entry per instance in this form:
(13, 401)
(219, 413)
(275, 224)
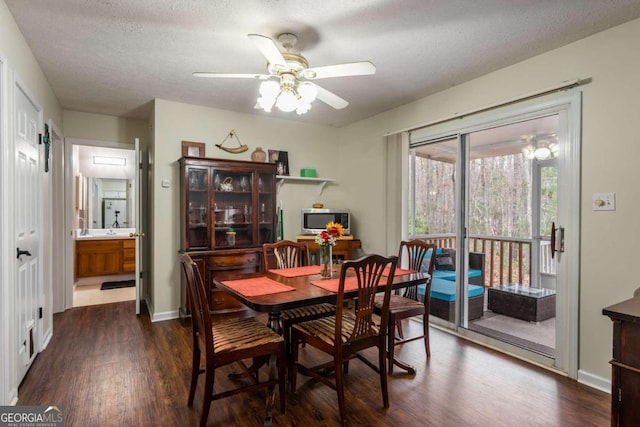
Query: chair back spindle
(416, 253)
(285, 254)
(369, 276)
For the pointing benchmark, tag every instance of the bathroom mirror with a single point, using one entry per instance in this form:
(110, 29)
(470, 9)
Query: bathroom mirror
(107, 203)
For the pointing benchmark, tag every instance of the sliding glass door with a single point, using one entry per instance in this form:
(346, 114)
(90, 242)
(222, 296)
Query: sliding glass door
(488, 195)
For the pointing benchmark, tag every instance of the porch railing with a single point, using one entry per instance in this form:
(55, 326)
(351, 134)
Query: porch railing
(507, 260)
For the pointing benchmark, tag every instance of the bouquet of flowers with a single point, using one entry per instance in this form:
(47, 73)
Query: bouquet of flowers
(330, 234)
(326, 239)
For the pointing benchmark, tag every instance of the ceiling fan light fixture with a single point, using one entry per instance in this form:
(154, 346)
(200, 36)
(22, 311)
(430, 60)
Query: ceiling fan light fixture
(541, 148)
(269, 89)
(528, 152)
(308, 92)
(542, 153)
(288, 95)
(265, 103)
(287, 100)
(303, 107)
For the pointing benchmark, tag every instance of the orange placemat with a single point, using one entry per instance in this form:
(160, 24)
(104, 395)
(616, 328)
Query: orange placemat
(399, 272)
(331, 285)
(257, 286)
(297, 271)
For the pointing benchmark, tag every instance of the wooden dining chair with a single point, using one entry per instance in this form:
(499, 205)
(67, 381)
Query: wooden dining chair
(346, 334)
(230, 342)
(290, 254)
(416, 252)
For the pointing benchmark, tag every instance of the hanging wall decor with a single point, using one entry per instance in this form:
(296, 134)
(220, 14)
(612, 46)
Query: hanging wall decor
(235, 150)
(46, 140)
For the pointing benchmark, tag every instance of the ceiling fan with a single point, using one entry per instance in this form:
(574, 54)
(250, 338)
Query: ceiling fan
(288, 84)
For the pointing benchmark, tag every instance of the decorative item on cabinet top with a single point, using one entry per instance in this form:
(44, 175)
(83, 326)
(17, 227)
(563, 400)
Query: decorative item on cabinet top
(193, 149)
(281, 159)
(258, 155)
(241, 148)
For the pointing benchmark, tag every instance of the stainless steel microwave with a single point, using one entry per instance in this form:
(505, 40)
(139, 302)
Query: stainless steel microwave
(316, 220)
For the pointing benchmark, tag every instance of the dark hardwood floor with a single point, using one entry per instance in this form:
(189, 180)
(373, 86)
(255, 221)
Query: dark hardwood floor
(108, 367)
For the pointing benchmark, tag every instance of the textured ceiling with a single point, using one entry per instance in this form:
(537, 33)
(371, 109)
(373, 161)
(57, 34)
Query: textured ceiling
(115, 56)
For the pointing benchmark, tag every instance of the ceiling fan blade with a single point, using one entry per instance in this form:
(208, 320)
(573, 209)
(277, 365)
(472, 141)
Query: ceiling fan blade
(270, 51)
(232, 76)
(340, 70)
(330, 98)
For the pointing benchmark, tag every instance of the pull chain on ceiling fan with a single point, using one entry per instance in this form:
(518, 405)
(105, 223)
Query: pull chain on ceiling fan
(293, 89)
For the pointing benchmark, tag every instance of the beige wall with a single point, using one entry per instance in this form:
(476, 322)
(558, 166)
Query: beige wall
(610, 149)
(101, 127)
(307, 145)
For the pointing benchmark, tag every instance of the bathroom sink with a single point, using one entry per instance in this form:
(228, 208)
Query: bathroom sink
(102, 236)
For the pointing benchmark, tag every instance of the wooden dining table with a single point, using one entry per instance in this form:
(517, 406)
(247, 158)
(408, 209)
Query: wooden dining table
(274, 291)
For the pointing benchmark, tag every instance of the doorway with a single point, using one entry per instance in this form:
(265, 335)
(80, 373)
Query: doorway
(493, 185)
(512, 195)
(101, 214)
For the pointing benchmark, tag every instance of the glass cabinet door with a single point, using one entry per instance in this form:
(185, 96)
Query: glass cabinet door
(266, 209)
(198, 207)
(233, 198)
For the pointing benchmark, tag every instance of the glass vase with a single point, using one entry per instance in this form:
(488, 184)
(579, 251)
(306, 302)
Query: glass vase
(326, 261)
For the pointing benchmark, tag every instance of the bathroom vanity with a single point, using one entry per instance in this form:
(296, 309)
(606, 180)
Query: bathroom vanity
(102, 255)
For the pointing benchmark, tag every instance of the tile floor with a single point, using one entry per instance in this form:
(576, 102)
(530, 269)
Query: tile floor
(90, 294)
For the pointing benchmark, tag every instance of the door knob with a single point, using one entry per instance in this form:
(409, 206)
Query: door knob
(136, 234)
(20, 253)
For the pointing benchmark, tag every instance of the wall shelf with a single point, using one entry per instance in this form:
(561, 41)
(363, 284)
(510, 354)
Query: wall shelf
(320, 182)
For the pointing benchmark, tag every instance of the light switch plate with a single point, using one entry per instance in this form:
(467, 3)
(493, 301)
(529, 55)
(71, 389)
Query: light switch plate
(165, 183)
(604, 202)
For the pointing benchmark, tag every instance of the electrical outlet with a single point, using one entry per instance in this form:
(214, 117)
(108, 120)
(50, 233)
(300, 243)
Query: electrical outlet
(604, 202)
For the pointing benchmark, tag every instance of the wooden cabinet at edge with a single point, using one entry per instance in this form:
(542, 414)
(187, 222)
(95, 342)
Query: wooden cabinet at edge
(625, 364)
(228, 210)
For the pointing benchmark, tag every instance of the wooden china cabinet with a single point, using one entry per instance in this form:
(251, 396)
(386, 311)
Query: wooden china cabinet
(625, 364)
(228, 210)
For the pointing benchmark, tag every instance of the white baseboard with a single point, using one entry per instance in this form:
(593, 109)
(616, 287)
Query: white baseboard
(599, 383)
(13, 397)
(167, 315)
(46, 339)
(159, 317)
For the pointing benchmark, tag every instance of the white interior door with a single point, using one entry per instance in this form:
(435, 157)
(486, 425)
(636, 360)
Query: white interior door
(7, 386)
(137, 185)
(27, 226)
